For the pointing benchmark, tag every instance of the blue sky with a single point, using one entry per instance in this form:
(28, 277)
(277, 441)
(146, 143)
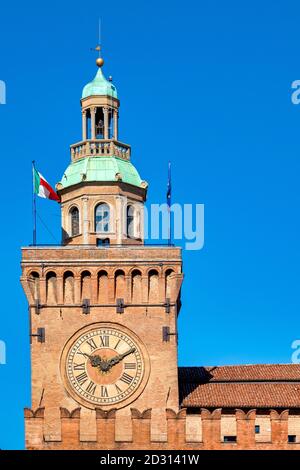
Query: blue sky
(205, 84)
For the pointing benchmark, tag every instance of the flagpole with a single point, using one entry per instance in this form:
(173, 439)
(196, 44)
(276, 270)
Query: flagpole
(169, 205)
(33, 205)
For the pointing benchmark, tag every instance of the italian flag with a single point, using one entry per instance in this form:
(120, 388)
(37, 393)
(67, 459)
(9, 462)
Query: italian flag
(42, 188)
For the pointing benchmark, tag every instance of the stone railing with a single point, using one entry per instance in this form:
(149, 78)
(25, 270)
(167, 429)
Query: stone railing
(100, 148)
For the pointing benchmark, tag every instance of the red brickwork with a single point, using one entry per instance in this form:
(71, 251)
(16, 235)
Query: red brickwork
(60, 278)
(176, 431)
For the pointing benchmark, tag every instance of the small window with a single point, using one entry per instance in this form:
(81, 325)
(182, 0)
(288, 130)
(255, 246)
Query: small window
(257, 429)
(103, 241)
(130, 222)
(229, 438)
(102, 215)
(291, 438)
(74, 214)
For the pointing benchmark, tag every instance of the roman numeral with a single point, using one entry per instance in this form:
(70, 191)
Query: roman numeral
(104, 392)
(118, 389)
(104, 341)
(92, 344)
(82, 378)
(91, 388)
(81, 353)
(126, 378)
(118, 342)
(130, 365)
(79, 366)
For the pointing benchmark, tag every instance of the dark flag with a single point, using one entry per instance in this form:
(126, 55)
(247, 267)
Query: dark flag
(169, 186)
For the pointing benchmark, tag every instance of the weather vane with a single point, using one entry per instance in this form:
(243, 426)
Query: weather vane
(99, 60)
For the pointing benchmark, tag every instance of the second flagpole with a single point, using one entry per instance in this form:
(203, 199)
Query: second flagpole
(169, 202)
(33, 204)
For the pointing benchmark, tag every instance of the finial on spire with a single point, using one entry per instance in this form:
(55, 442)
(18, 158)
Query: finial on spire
(99, 60)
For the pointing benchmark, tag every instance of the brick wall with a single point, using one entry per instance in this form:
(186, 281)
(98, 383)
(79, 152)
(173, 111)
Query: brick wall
(59, 279)
(184, 431)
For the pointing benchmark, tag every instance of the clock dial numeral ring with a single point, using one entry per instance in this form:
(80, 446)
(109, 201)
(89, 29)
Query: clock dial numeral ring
(104, 366)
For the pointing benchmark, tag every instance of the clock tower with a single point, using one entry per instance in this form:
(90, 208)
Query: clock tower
(103, 305)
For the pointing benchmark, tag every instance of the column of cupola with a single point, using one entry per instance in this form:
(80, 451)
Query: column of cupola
(106, 112)
(84, 125)
(93, 122)
(116, 117)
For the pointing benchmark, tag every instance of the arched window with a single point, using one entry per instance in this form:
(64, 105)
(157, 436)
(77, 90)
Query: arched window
(86, 285)
(169, 283)
(136, 286)
(120, 286)
(153, 286)
(34, 284)
(51, 288)
(74, 215)
(102, 216)
(103, 287)
(69, 287)
(130, 222)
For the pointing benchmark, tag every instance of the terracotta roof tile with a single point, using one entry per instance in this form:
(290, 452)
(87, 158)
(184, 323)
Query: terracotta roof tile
(265, 372)
(251, 386)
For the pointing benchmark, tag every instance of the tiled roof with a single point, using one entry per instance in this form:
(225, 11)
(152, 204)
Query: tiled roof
(250, 386)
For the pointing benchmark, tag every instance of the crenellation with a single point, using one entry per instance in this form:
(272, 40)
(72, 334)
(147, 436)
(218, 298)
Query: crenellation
(184, 431)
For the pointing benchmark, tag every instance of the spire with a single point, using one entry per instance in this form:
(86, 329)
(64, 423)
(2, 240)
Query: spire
(100, 86)
(99, 60)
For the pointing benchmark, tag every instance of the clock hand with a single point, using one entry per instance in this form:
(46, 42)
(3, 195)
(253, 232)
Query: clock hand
(97, 361)
(130, 351)
(94, 360)
(117, 359)
(105, 365)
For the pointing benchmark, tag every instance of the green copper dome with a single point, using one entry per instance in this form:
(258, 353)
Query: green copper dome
(99, 86)
(93, 169)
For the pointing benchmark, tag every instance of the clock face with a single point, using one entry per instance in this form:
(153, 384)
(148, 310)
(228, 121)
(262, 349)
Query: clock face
(104, 366)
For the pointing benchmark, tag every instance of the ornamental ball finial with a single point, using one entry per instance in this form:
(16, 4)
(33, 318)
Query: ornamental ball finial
(99, 61)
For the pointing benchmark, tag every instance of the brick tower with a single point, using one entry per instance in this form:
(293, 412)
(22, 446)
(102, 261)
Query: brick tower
(103, 305)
